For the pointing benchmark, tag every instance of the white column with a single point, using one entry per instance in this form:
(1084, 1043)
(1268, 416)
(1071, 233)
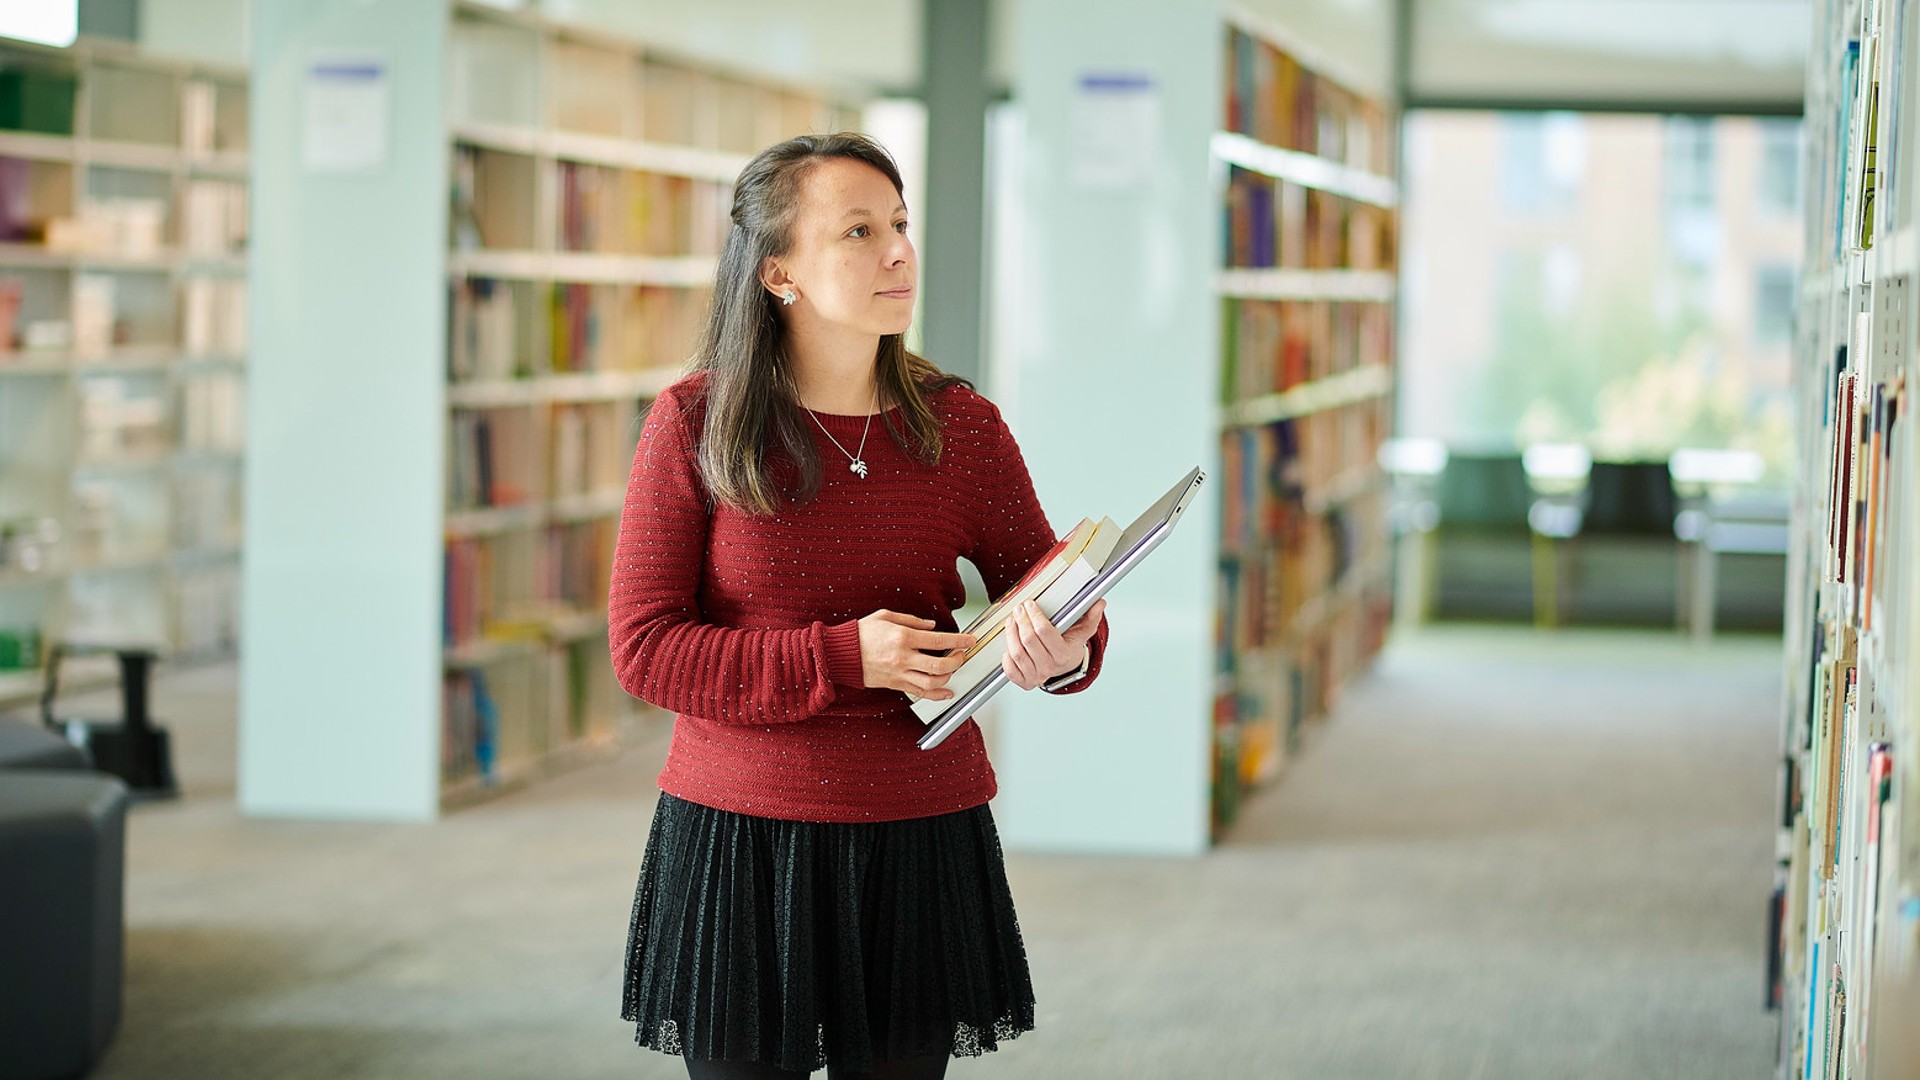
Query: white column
(340, 651)
(1111, 387)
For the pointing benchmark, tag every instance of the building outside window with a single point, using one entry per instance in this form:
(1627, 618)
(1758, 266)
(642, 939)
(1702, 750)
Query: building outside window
(1543, 161)
(1780, 166)
(1604, 293)
(1773, 303)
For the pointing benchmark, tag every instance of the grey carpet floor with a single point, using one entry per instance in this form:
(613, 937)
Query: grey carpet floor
(1511, 855)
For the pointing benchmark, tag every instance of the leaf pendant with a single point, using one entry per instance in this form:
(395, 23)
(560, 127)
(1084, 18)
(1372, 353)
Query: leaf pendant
(858, 468)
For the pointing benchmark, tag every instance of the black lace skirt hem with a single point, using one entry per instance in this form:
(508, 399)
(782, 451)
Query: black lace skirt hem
(796, 943)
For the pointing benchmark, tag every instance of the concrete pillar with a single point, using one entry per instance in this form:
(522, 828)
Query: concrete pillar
(952, 223)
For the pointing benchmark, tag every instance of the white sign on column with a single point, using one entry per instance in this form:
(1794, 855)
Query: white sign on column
(1116, 130)
(347, 105)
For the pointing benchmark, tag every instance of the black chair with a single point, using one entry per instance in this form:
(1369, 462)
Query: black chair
(1630, 498)
(1626, 539)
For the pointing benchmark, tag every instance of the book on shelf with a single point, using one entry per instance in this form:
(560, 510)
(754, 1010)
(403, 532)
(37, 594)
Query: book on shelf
(197, 116)
(1890, 403)
(1272, 97)
(571, 439)
(583, 215)
(579, 560)
(483, 332)
(211, 413)
(213, 217)
(660, 209)
(470, 719)
(575, 330)
(491, 458)
(1051, 582)
(213, 316)
(464, 232)
(1272, 346)
(1857, 201)
(93, 314)
(121, 418)
(1276, 224)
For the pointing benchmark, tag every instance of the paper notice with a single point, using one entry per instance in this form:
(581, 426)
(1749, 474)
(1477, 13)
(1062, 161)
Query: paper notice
(347, 104)
(1116, 131)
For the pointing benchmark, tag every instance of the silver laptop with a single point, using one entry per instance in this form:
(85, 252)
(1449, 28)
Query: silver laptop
(1147, 532)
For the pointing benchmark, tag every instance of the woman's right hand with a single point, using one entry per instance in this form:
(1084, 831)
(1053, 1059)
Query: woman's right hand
(898, 652)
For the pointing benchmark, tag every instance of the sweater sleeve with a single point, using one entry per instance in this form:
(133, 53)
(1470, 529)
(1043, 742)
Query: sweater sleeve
(1015, 533)
(663, 652)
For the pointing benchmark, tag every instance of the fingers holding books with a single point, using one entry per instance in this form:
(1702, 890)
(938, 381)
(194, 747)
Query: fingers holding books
(1082, 632)
(1038, 651)
(901, 652)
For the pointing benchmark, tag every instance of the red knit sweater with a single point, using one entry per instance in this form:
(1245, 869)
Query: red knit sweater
(747, 627)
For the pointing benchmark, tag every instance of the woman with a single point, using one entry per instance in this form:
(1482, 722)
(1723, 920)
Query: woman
(816, 890)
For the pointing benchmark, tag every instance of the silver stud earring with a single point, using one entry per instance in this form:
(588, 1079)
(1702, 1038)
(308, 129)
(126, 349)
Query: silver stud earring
(788, 298)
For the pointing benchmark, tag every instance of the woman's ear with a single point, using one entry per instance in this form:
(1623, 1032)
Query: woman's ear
(774, 278)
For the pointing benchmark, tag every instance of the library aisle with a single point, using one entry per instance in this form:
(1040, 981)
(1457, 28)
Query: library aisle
(1517, 855)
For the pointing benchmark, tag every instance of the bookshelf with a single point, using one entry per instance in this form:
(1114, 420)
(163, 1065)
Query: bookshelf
(1306, 395)
(123, 353)
(1846, 904)
(579, 188)
(1243, 314)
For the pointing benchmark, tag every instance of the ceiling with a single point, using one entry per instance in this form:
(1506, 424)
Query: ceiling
(1645, 53)
(1668, 54)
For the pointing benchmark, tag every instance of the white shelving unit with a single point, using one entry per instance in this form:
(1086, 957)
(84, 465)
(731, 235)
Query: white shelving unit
(1130, 766)
(1296, 167)
(1359, 285)
(123, 259)
(549, 224)
(1307, 384)
(1848, 882)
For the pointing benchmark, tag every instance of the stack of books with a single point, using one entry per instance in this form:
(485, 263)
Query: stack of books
(1053, 581)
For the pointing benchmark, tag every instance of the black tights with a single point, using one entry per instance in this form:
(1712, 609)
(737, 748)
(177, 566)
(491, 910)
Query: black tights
(926, 1068)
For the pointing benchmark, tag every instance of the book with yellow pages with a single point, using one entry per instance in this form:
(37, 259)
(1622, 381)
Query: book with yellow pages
(1133, 545)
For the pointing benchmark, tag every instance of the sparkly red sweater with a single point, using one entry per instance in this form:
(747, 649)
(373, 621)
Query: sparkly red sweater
(747, 627)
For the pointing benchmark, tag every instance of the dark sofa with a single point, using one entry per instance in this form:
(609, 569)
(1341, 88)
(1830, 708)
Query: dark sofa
(62, 862)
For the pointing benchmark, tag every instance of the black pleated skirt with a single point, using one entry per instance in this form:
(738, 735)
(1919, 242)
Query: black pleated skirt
(796, 943)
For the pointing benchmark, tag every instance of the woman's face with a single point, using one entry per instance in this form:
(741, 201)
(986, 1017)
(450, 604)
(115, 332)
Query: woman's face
(851, 261)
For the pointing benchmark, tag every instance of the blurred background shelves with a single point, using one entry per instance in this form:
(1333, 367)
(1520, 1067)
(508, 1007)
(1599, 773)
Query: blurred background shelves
(123, 240)
(581, 184)
(1307, 377)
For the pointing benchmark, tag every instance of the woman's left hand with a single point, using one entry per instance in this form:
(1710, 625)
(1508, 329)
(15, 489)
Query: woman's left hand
(1038, 651)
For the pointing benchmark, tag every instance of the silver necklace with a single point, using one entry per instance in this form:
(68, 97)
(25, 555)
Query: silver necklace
(858, 466)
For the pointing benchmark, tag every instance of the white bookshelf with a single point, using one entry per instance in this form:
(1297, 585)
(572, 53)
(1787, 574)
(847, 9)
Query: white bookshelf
(553, 233)
(1848, 878)
(1302, 607)
(1131, 765)
(129, 263)
(1333, 392)
(1307, 170)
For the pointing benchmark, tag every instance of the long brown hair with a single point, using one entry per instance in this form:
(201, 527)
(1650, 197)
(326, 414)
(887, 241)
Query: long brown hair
(752, 399)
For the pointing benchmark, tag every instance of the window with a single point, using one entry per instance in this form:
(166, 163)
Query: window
(1628, 325)
(1773, 303)
(1543, 160)
(1689, 163)
(1780, 167)
(49, 22)
(1693, 225)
